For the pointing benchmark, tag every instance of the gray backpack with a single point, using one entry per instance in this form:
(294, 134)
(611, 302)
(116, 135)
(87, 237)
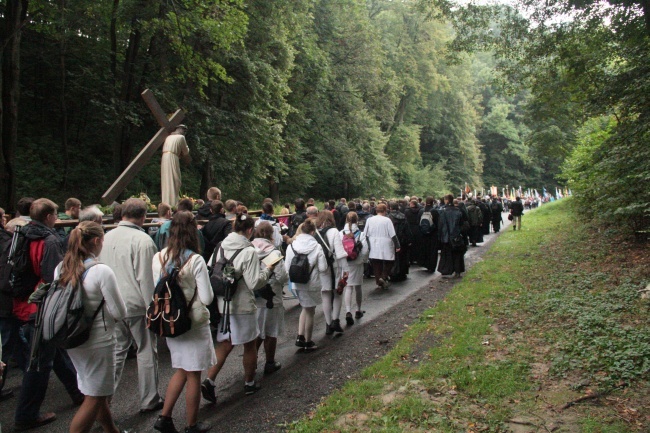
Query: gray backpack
(65, 323)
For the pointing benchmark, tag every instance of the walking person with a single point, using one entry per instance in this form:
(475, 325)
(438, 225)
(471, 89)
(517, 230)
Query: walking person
(45, 253)
(429, 233)
(243, 311)
(270, 320)
(355, 269)
(129, 251)
(330, 240)
(454, 244)
(192, 351)
(516, 210)
(497, 209)
(309, 294)
(94, 359)
(383, 244)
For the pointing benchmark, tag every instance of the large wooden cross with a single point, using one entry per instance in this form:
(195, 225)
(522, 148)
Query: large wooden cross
(167, 126)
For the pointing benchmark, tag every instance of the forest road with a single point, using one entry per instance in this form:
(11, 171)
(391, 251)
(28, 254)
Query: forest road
(301, 383)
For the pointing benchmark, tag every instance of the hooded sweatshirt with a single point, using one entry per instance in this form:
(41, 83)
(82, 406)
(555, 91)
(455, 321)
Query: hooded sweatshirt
(248, 273)
(307, 244)
(279, 277)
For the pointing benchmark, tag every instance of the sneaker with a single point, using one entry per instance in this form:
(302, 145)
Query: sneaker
(328, 329)
(300, 341)
(359, 314)
(348, 319)
(165, 425)
(208, 391)
(251, 389)
(199, 427)
(41, 420)
(336, 326)
(381, 282)
(272, 367)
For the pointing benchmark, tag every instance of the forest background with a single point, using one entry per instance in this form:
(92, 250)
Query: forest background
(332, 98)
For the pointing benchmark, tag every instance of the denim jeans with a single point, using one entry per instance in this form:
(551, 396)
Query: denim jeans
(35, 381)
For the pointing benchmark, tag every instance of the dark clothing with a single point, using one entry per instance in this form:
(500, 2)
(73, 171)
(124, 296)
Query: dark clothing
(340, 215)
(6, 293)
(516, 208)
(363, 217)
(381, 269)
(405, 238)
(13, 344)
(496, 210)
(487, 217)
(298, 218)
(204, 211)
(413, 218)
(475, 224)
(452, 220)
(214, 232)
(429, 243)
(35, 381)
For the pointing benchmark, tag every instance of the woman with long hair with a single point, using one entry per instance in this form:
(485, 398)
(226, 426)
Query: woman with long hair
(191, 352)
(355, 268)
(243, 318)
(309, 294)
(94, 360)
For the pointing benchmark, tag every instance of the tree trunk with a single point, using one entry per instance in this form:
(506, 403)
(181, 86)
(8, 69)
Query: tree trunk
(14, 15)
(206, 178)
(64, 108)
(274, 190)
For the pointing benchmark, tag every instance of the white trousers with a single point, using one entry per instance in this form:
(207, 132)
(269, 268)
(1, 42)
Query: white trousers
(134, 329)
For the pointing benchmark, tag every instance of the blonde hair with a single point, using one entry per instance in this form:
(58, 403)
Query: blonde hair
(79, 249)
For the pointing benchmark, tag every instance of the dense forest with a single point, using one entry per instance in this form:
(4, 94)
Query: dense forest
(331, 98)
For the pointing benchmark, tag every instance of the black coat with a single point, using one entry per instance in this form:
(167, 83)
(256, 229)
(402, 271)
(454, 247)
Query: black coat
(214, 232)
(516, 208)
(6, 294)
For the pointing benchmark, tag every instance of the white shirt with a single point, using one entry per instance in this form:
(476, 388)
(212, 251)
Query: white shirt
(379, 232)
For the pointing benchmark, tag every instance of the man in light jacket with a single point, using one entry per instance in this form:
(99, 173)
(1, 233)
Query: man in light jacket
(129, 251)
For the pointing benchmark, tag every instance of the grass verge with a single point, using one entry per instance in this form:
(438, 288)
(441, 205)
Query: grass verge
(548, 333)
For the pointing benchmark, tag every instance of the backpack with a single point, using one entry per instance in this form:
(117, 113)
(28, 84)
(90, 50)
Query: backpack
(64, 322)
(22, 279)
(426, 223)
(161, 238)
(168, 314)
(475, 215)
(494, 207)
(352, 245)
(321, 238)
(299, 270)
(224, 284)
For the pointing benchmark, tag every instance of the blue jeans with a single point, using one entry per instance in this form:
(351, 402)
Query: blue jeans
(34, 387)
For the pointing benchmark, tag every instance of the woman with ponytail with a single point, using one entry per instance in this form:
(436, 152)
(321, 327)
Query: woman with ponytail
(244, 328)
(192, 351)
(95, 359)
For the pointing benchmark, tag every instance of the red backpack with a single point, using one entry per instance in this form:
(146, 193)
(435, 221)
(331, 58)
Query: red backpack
(352, 245)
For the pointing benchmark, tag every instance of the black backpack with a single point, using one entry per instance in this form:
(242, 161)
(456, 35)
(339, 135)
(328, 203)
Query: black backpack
(224, 284)
(168, 314)
(297, 219)
(22, 279)
(299, 270)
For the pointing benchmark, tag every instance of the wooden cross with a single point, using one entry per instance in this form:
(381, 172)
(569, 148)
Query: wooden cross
(167, 126)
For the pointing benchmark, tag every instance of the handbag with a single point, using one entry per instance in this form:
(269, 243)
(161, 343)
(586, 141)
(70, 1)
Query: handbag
(510, 217)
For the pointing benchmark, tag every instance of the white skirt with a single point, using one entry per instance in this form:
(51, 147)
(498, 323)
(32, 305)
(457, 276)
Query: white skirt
(270, 322)
(243, 329)
(309, 298)
(355, 273)
(95, 370)
(193, 351)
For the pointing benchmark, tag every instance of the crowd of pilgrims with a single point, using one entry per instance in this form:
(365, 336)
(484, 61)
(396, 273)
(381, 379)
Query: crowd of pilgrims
(118, 270)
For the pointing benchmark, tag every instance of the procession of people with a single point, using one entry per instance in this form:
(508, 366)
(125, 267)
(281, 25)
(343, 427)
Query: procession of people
(321, 255)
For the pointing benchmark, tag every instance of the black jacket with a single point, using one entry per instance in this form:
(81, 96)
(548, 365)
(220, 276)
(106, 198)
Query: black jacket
(204, 211)
(516, 208)
(402, 229)
(6, 294)
(451, 222)
(214, 232)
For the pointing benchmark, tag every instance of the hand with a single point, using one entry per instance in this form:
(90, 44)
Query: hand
(2, 369)
(398, 250)
(271, 267)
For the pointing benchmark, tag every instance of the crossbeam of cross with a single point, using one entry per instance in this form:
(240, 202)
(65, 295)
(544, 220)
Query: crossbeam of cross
(167, 126)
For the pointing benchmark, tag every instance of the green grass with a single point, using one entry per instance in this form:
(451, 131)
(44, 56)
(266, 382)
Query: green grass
(538, 288)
